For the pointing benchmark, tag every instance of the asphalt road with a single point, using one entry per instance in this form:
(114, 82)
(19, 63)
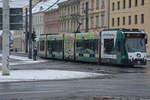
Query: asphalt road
(125, 81)
(122, 85)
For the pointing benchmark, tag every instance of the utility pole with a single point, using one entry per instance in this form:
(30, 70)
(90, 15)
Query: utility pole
(26, 29)
(87, 17)
(30, 29)
(6, 33)
(108, 14)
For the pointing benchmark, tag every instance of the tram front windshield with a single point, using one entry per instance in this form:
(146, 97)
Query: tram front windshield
(136, 44)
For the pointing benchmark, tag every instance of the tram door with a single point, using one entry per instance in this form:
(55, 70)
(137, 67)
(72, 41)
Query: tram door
(108, 47)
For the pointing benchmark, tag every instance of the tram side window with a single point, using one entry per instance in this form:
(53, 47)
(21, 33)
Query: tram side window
(79, 44)
(42, 45)
(86, 45)
(49, 46)
(93, 46)
(108, 46)
(59, 46)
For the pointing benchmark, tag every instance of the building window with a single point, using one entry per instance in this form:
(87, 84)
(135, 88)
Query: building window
(118, 3)
(136, 19)
(129, 20)
(124, 4)
(113, 6)
(113, 22)
(142, 2)
(136, 3)
(97, 21)
(118, 21)
(103, 19)
(102, 4)
(142, 18)
(92, 5)
(68, 10)
(82, 8)
(124, 20)
(130, 3)
(97, 4)
(92, 22)
(83, 23)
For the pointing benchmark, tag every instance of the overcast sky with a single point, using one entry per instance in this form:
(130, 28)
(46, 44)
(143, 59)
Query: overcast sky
(16, 3)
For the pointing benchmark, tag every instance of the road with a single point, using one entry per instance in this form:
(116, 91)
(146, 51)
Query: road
(124, 85)
(125, 81)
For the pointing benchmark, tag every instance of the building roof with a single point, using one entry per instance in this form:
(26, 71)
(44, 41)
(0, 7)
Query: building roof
(68, 2)
(46, 5)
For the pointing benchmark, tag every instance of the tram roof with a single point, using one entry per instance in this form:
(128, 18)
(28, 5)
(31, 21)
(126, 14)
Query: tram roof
(126, 30)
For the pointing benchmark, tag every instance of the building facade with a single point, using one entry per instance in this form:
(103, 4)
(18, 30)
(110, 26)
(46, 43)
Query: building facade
(18, 41)
(69, 15)
(38, 23)
(38, 15)
(131, 14)
(19, 36)
(97, 16)
(51, 21)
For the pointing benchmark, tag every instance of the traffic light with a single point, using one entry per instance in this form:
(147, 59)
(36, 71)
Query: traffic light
(33, 36)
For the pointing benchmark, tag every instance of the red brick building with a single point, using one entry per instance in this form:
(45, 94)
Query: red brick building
(51, 21)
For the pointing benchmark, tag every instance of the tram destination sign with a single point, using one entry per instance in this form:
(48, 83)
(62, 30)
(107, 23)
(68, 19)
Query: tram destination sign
(16, 18)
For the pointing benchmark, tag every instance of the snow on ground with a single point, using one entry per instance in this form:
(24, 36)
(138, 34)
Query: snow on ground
(17, 57)
(41, 75)
(23, 60)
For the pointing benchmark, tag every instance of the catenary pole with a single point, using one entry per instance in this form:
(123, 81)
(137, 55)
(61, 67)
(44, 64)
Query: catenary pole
(87, 17)
(6, 33)
(30, 29)
(26, 29)
(108, 14)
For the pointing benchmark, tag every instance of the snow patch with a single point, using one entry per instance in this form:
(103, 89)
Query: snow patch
(23, 60)
(41, 75)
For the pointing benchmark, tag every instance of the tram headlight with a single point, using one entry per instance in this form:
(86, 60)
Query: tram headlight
(132, 59)
(138, 55)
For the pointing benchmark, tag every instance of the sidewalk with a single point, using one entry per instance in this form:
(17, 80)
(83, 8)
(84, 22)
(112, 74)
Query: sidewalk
(46, 75)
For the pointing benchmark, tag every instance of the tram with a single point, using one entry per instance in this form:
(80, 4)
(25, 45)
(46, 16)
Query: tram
(110, 46)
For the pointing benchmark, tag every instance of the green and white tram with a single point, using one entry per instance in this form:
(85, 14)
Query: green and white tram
(123, 46)
(112, 46)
